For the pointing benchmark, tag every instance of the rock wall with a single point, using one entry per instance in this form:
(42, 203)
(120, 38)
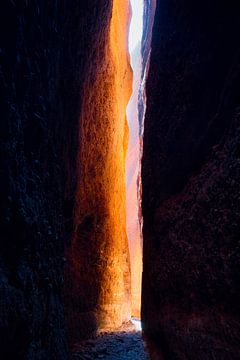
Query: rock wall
(190, 176)
(45, 52)
(97, 291)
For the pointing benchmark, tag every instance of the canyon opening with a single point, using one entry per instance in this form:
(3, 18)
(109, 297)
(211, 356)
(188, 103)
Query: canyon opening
(133, 168)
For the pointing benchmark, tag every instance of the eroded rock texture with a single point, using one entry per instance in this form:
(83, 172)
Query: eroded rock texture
(46, 51)
(191, 188)
(97, 287)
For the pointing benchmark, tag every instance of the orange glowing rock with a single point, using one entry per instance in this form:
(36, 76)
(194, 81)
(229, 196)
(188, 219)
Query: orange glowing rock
(99, 256)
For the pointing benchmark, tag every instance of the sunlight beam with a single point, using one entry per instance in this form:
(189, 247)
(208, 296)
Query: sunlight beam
(136, 26)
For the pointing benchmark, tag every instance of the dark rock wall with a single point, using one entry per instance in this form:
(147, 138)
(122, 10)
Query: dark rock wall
(44, 50)
(191, 186)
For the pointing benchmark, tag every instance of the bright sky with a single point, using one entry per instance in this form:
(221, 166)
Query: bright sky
(136, 26)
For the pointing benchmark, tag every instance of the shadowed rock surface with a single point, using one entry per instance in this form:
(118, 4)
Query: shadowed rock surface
(191, 188)
(44, 50)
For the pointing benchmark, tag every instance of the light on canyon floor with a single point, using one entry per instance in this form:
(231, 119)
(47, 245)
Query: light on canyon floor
(137, 323)
(133, 158)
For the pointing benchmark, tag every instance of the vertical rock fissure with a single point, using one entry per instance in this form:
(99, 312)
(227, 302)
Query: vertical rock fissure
(133, 158)
(139, 49)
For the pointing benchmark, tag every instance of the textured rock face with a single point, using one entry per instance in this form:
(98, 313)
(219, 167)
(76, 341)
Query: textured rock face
(190, 175)
(98, 276)
(45, 52)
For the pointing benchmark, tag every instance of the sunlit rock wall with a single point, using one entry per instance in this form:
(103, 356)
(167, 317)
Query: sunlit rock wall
(98, 287)
(190, 175)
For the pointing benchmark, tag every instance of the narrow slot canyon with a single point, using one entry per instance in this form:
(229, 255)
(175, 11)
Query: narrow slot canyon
(133, 204)
(108, 268)
(119, 180)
